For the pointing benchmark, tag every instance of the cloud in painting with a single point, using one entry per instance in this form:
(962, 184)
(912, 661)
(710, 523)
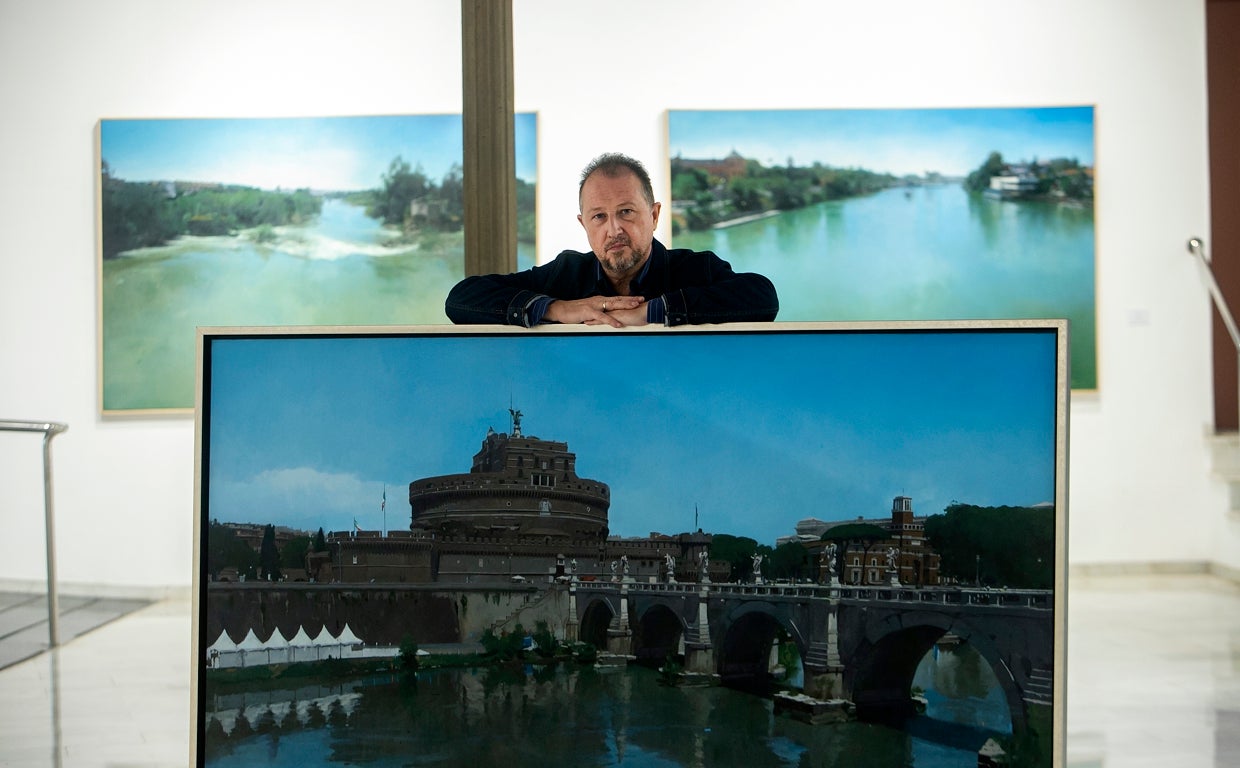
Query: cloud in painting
(291, 496)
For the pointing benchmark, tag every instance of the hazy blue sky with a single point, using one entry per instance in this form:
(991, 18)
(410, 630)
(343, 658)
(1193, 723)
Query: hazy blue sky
(899, 141)
(324, 153)
(754, 431)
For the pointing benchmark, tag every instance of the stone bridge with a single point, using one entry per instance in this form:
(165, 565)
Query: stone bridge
(857, 643)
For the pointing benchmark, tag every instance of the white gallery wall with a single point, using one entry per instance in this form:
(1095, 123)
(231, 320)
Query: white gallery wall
(600, 77)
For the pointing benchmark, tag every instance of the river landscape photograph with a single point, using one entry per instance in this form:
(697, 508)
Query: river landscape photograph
(279, 221)
(338, 624)
(899, 214)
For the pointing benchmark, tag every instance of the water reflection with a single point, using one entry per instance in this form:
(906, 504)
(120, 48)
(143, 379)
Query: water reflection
(938, 253)
(571, 715)
(342, 269)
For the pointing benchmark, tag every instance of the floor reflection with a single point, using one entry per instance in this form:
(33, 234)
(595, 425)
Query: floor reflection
(1153, 680)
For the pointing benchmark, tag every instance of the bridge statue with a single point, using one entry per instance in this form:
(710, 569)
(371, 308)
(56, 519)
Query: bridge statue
(757, 569)
(893, 571)
(829, 556)
(704, 567)
(670, 562)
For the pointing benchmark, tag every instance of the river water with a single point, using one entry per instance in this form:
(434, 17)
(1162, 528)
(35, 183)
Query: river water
(922, 253)
(579, 716)
(340, 270)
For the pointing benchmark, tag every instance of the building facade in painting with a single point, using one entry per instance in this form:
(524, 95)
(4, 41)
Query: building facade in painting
(913, 561)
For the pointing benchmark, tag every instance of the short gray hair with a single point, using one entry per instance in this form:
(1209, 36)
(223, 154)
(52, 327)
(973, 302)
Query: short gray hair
(613, 164)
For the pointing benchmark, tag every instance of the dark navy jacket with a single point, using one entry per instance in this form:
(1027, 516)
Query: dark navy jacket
(696, 287)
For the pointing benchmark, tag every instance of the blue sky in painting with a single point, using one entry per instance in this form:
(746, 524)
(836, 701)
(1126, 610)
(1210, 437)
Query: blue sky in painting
(321, 153)
(754, 432)
(899, 141)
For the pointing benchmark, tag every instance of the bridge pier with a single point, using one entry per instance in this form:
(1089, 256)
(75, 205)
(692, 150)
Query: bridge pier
(699, 659)
(824, 684)
(572, 628)
(824, 669)
(699, 652)
(620, 633)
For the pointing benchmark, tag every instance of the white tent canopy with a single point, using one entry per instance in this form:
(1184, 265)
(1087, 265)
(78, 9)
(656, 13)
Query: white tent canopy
(222, 644)
(347, 637)
(250, 643)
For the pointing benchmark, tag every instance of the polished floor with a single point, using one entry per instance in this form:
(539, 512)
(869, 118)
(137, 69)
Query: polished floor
(1153, 680)
(24, 621)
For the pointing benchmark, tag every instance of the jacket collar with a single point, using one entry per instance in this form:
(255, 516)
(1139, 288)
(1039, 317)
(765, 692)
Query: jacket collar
(657, 253)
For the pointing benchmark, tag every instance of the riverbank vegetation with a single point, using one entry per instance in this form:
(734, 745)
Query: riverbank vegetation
(412, 202)
(705, 193)
(708, 193)
(148, 214)
(996, 546)
(787, 562)
(227, 551)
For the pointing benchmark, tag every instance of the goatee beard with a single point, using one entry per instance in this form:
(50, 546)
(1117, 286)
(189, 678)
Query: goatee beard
(621, 266)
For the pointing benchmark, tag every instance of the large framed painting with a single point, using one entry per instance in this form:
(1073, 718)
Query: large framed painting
(812, 544)
(899, 214)
(282, 221)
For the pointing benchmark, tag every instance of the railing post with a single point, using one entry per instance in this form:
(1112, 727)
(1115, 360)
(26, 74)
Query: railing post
(49, 429)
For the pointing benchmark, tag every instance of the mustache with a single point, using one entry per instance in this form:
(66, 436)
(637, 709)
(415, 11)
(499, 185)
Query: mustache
(619, 240)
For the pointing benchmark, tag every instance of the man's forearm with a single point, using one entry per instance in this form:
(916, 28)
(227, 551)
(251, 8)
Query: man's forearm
(489, 299)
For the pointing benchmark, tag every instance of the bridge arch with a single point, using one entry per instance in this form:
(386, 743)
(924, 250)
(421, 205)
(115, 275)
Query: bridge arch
(744, 640)
(882, 666)
(595, 621)
(657, 632)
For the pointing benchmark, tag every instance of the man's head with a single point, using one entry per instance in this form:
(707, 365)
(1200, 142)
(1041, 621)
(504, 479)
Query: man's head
(619, 214)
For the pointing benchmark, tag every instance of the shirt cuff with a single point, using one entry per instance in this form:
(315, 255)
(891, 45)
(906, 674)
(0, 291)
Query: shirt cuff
(535, 310)
(656, 311)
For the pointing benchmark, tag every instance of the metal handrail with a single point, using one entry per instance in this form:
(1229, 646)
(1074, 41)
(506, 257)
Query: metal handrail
(49, 429)
(1197, 247)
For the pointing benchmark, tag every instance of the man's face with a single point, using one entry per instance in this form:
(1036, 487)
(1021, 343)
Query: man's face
(618, 221)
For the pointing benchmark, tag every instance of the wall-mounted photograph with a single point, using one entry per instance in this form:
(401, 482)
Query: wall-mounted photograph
(280, 221)
(899, 214)
(788, 544)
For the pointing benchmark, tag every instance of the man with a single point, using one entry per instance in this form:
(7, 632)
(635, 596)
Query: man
(629, 279)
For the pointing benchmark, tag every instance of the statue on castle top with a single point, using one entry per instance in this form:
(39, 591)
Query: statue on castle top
(516, 422)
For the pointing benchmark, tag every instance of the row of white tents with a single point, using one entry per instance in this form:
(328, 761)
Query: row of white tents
(278, 649)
